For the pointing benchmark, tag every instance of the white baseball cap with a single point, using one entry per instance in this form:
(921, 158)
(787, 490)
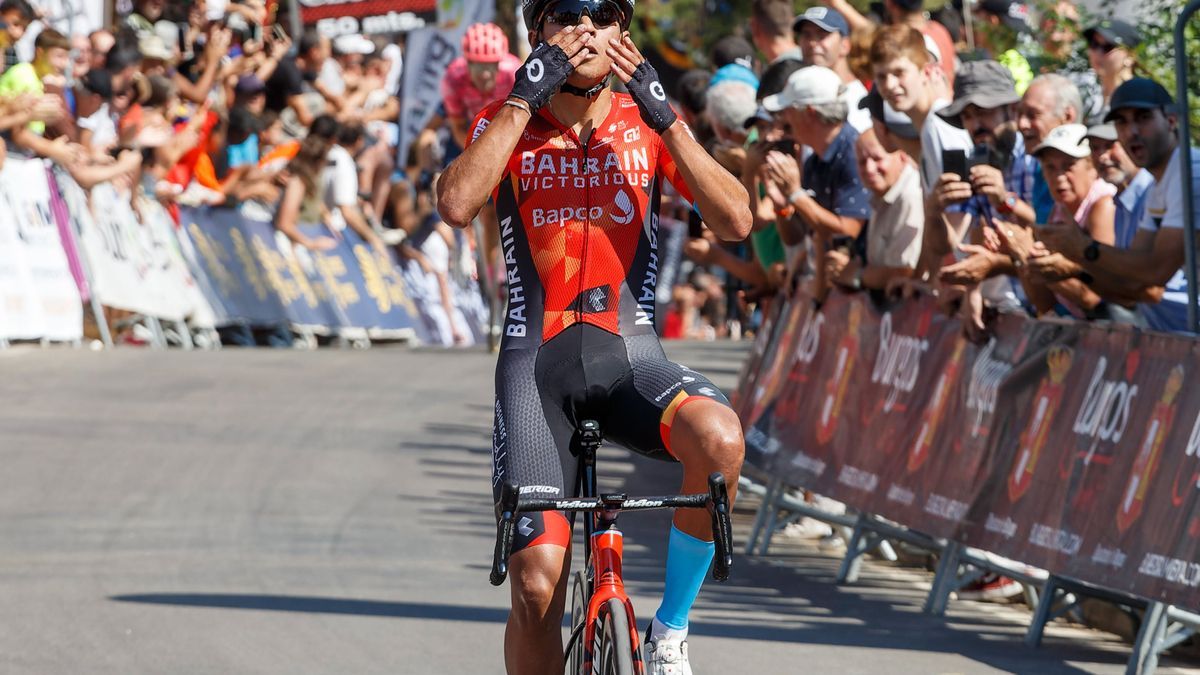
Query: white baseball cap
(811, 85)
(1070, 139)
(353, 44)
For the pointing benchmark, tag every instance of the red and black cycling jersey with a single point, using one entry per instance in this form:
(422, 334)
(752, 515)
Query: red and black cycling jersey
(579, 224)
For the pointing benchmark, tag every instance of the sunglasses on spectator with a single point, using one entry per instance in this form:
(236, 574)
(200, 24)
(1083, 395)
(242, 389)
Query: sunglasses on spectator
(570, 13)
(1102, 46)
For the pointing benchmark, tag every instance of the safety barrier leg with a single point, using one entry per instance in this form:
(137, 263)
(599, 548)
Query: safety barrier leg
(861, 541)
(1146, 648)
(1045, 613)
(159, 338)
(760, 517)
(946, 580)
(185, 335)
(769, 526)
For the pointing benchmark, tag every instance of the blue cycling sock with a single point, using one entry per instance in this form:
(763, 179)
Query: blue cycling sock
(688, 559)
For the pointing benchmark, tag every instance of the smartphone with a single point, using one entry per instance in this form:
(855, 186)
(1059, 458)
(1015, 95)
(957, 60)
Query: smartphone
(955, 161)
(695, 225)
(787, 146)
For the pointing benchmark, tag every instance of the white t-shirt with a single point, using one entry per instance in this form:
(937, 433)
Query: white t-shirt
(331, 77)
(340, 180)
(897, 223)
(1164, 204)
(937, 135)
(1164, 209)
(858, 118)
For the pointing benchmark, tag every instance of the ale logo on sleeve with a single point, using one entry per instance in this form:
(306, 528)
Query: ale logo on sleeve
(1045, 405)
(1150, 451)
(839, 382)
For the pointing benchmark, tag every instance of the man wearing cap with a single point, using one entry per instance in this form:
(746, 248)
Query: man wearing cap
(983, 105)
(893, 130)
(250, 93)
(828, 196)
(824, 38)
(989, 195)
(1146, 120)
(341, 71)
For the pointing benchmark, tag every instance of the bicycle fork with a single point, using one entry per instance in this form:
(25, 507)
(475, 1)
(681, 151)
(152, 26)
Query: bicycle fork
(608, 544)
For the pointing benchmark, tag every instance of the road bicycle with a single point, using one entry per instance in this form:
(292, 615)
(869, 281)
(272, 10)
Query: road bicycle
(604, 636)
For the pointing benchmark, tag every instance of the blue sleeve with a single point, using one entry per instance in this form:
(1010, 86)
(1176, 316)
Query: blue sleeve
(852, 199)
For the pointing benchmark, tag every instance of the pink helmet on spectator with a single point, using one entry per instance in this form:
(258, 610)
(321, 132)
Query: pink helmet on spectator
(484, 43)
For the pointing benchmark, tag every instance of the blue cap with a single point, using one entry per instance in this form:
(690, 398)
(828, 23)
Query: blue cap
(828, 20)
(1139, 92)
(734, 72)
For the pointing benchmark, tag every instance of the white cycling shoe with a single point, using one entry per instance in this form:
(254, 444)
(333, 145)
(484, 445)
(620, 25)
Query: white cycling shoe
(667, 657)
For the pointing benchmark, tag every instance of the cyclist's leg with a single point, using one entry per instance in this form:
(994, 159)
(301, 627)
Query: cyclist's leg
(677, 412)
(526, 452)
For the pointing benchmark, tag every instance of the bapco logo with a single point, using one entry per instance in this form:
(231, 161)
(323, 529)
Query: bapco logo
(633, 135)
(536, 71)
(656, 88)
(624, 213)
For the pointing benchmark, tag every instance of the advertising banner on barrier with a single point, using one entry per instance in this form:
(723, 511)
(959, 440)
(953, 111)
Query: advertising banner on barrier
(236, 286)
(40, 296)
(1063, 445)
(368, 291)
(134, 265)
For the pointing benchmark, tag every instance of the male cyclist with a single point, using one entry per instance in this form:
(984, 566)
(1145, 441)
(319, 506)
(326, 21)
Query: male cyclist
(484, 73)
(575, 170)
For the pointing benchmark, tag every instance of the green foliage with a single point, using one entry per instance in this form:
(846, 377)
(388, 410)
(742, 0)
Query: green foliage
(1156, 54)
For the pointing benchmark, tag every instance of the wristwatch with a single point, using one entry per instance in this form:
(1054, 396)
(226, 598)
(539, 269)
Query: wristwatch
(1009, 203)
(1091, 252)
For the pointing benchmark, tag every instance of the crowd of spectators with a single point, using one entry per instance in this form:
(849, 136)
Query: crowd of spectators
(885, 154)
(896, 153)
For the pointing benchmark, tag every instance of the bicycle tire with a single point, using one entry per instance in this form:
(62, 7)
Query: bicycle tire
(581, 594)
(614, 651)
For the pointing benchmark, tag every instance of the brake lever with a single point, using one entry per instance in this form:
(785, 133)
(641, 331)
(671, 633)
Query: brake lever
(718, 508)
(506, 523)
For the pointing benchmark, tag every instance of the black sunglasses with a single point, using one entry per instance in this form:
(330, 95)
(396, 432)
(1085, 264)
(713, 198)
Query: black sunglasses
(1102, 46)
(570, 12)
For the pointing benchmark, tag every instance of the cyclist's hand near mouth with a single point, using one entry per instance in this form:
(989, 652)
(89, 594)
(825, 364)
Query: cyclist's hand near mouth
(643, 84)
(548, 67)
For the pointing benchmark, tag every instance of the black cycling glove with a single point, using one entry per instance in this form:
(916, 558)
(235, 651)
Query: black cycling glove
(648, 92)
(543, 73)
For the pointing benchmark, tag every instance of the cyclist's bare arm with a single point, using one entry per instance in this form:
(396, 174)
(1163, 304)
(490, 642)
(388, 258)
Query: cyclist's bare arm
(468, 182)
(721, 198)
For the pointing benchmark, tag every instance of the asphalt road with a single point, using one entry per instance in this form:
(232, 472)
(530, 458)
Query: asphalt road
(299, 512)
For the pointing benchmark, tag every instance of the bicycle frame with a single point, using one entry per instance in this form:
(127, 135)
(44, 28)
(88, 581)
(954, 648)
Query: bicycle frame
(603, 542)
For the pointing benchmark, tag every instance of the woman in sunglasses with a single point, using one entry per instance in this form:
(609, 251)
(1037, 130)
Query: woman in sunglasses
(1110, 45)
(575, 170)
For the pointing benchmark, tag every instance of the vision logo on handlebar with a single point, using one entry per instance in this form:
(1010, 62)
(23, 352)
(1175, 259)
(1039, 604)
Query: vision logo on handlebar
(603, 625)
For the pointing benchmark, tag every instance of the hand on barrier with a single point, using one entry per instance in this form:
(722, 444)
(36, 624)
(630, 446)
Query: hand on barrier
(548, 67)
(643, 83)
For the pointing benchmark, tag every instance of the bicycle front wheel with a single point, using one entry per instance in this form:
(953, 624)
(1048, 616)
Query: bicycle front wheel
(615, 652)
